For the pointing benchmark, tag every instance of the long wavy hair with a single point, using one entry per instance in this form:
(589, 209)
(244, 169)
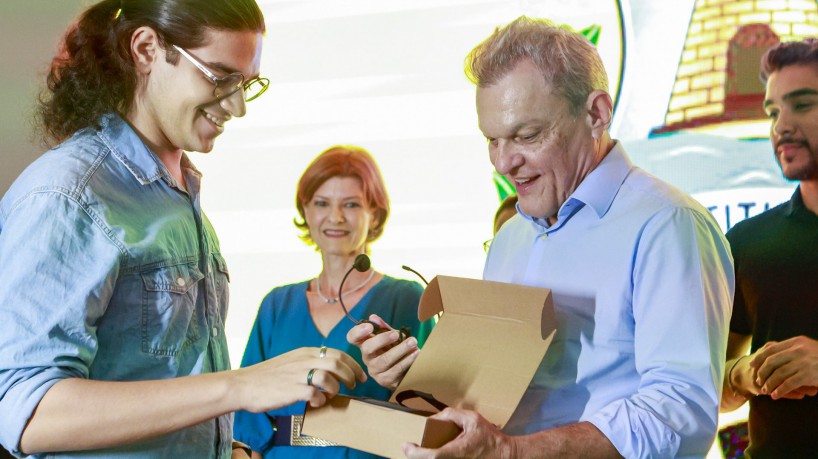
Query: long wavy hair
(93, 72)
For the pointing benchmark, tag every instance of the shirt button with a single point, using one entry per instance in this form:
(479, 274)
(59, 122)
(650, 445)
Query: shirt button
(180, 282)
(215, 332)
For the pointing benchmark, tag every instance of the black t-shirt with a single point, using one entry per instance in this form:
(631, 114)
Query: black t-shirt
(776, 262)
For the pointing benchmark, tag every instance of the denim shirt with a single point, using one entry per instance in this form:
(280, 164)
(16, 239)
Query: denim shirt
(101, 277)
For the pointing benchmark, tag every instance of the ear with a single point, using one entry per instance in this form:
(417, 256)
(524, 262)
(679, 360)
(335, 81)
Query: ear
(600, 112)
(145, 49)
(373, 223)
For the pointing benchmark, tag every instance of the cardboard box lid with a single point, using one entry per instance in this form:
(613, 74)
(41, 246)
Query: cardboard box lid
(485, 349)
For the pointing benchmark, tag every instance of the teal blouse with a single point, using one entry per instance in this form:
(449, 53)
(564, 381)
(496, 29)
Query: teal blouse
(284, 324)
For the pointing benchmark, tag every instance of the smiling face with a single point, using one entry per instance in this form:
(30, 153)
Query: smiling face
(339, 217)
(534, 140)
(177, 109)
(791, 103)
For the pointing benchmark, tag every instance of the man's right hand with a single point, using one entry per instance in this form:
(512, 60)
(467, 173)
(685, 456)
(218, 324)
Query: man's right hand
(282, 380)
(83, 414)
(386, 358)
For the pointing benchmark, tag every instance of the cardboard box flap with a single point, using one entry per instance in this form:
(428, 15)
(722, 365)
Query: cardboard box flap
(497, 300)
(485, 349)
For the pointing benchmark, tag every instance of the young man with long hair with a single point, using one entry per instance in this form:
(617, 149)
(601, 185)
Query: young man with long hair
(113, 291)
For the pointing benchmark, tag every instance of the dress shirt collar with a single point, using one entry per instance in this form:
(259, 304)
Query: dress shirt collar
(597, 190)
(128, 148)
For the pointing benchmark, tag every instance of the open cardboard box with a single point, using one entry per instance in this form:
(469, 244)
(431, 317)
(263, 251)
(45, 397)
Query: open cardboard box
(480, 356)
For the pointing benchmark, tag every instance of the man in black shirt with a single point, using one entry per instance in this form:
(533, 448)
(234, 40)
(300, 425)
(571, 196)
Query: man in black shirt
(775, 312)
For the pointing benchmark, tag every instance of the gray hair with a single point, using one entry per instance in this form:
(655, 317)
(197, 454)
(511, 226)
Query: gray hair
(567, 60)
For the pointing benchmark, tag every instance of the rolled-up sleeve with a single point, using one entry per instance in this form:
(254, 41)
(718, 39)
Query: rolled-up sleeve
(683, 285)
(58, 268)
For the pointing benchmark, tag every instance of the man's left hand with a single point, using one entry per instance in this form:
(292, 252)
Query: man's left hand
(479, 438)
(788, 367)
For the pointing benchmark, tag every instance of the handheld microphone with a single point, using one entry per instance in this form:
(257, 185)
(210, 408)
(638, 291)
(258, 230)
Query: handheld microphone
(362, 264)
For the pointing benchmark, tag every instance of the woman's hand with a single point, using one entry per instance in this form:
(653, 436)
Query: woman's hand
(282, 380)
(386, 357)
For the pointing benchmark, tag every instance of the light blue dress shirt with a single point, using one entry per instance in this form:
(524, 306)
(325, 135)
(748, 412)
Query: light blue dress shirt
(642, 282)
(101, 277)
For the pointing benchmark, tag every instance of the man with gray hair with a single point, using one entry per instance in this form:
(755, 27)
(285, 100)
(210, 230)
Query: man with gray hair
(641, 275)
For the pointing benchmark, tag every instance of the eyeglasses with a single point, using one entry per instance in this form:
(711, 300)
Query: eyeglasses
(227, 85)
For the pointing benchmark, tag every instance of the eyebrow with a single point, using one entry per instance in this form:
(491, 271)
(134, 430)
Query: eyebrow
(516, 128)
(794, 94)
(347, 198)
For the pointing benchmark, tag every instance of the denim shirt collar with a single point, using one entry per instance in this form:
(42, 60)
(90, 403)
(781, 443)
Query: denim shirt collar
(129, 149)
(597, 190)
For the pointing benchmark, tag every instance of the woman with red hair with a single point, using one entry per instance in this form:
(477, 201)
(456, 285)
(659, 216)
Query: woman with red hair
(343, 207)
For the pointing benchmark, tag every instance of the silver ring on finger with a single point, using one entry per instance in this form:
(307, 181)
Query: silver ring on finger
(310, 375)
(323, 352)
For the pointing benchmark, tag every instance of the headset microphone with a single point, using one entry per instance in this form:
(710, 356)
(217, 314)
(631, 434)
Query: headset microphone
(362, 264)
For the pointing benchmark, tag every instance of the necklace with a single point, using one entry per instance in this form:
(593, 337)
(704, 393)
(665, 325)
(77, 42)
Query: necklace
(335, 300)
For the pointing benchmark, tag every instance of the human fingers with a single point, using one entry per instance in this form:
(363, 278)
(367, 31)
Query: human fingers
(391, 349)
(467, 444)
(317, 399)
(808, 391)
(341, 366)
(395, 375)
(324, 381)
(464, 419)
(335, 361)
(771, 363)
(779, 389)
(376, 319)
(778, 376)
(413, 451)
(280, 394)
(352, 364)
(390, 366)
(760, 356)
(800, 393)
(377, 345)
(283, 380)
(797, 381)
(358, 334)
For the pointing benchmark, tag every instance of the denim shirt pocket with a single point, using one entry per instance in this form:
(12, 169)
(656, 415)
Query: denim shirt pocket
(221, 265)
(222, 281)
(168, 307)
